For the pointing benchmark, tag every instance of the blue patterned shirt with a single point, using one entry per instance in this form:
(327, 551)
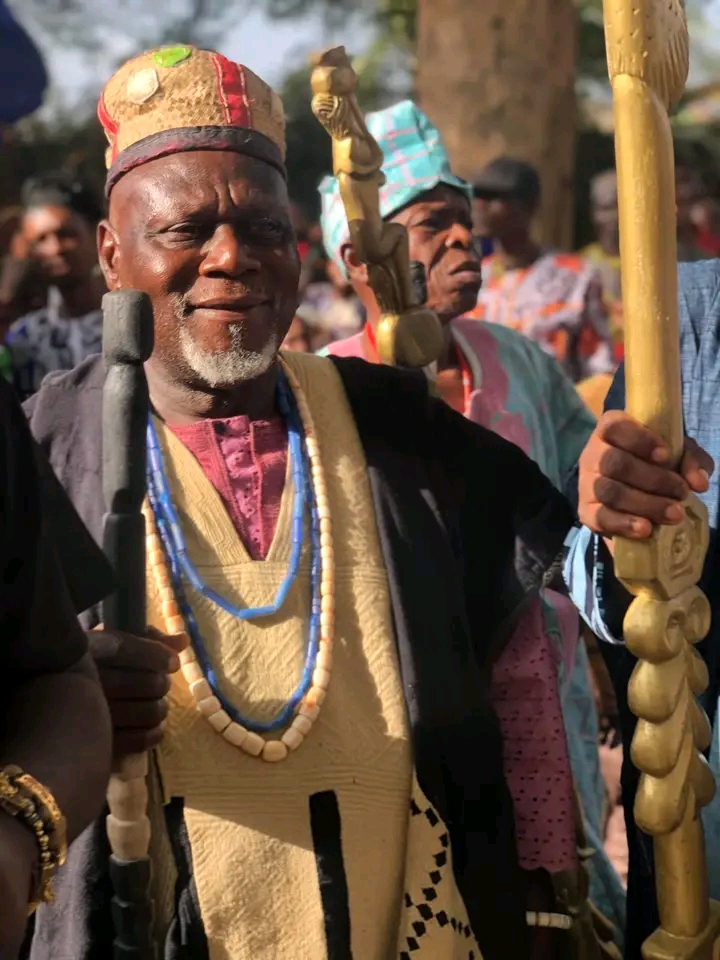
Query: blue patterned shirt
(47, 340)
(600, 598)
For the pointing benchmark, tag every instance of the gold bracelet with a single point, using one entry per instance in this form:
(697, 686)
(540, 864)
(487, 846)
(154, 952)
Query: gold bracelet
(22, 796)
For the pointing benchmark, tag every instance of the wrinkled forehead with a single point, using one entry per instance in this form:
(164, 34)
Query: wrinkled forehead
(441, 198)
(187, 183)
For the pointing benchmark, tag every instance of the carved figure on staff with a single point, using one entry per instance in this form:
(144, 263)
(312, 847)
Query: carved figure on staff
(406, 332)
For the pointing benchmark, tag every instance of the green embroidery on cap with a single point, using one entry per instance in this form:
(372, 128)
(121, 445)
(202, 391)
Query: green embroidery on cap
(171, 56)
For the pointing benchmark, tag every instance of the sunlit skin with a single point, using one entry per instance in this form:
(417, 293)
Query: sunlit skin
(62, 243)
(209, 234)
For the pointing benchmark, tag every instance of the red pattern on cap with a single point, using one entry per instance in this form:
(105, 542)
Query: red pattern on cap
(232, 90)
(108, 125)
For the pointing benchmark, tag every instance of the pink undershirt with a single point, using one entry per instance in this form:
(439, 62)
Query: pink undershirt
(245, 460)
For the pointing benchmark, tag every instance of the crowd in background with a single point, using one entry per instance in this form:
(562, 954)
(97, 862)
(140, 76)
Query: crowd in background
(569, 302)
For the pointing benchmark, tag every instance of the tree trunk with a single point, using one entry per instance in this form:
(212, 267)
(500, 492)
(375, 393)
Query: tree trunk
(497, 77)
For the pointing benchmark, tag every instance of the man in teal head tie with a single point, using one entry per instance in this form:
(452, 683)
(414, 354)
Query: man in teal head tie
(500, 379)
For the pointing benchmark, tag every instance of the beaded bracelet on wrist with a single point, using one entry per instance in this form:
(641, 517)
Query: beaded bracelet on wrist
(23, 797)
(170, 564)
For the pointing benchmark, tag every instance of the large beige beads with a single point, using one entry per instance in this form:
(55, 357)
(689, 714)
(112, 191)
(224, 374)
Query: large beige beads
(271, 751)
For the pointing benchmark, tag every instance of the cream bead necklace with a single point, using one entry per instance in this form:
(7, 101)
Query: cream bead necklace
(307, 712)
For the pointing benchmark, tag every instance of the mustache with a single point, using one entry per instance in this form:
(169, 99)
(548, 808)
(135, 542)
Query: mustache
(181, 306)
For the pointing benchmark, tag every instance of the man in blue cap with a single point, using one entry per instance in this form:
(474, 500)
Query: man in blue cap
(500, 379)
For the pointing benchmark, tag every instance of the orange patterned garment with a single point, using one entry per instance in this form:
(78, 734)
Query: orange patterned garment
(557, 302)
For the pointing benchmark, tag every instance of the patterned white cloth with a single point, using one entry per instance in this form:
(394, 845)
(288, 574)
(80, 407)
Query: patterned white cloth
(47, 340)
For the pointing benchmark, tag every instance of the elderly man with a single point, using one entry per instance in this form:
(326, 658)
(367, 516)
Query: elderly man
(330, 783)
(500, 379)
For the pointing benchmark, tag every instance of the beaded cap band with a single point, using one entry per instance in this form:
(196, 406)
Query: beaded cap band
(180, 98)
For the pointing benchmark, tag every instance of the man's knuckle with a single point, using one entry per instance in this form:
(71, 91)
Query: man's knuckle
(613, 463)
(608, 492)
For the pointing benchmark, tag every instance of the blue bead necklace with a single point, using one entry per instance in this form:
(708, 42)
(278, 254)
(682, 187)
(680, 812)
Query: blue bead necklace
(180, 564)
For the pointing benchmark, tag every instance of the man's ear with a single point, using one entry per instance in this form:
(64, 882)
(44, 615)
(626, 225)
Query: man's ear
(108, 247)
(356, 271)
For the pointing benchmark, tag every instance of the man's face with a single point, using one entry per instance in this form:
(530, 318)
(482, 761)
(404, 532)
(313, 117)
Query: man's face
(208, 236)
(62, 243)
(439, 227)
(497, 217)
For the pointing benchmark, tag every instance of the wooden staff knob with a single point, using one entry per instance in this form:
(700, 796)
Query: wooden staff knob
(129, 839)
(127, 799)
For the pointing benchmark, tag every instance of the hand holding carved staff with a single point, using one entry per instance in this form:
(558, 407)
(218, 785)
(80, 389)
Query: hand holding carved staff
(628, 488)
(127, 343)
(408, 333)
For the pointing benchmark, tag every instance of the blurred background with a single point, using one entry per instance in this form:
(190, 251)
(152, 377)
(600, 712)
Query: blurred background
(519, 77)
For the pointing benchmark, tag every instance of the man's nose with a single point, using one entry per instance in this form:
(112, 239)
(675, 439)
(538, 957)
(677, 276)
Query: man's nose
(227, 254)
(459, 236)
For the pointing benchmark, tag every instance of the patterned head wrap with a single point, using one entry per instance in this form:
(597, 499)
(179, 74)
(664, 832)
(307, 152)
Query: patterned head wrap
(415, 161)
(177, 99)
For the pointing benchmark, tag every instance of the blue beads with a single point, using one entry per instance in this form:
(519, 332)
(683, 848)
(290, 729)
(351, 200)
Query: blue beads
(173, 539)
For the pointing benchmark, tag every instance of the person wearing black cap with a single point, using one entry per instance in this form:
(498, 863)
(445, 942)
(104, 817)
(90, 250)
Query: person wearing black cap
(60, 215)
(555, 299)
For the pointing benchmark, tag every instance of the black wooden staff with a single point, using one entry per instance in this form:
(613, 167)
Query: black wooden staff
(127, 343)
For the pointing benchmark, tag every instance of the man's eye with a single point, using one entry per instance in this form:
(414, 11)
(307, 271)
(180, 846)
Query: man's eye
(430, 225)
(268, 230)
(186, 230)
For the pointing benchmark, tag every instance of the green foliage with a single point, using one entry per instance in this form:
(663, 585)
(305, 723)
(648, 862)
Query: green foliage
(309, 152)
(68, 146)
(308, 146)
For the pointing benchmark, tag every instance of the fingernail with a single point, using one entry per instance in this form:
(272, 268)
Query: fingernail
(174, 663)
(659, 455)
(639, 527)
(674, 513)
(705, 476)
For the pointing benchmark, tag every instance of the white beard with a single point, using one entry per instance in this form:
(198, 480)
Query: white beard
(231, 366)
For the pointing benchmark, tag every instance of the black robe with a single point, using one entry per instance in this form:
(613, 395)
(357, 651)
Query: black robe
(468, 527)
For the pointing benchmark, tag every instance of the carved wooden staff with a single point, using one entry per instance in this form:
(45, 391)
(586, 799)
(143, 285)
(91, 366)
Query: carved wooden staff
(127, 343)
(408, 333)
(647, 46)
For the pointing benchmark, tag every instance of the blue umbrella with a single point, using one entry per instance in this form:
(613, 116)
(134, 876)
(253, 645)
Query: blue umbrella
(23, 77)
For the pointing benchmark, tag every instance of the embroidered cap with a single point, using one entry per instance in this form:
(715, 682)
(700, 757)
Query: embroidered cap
(177, 99)
(415, 161)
